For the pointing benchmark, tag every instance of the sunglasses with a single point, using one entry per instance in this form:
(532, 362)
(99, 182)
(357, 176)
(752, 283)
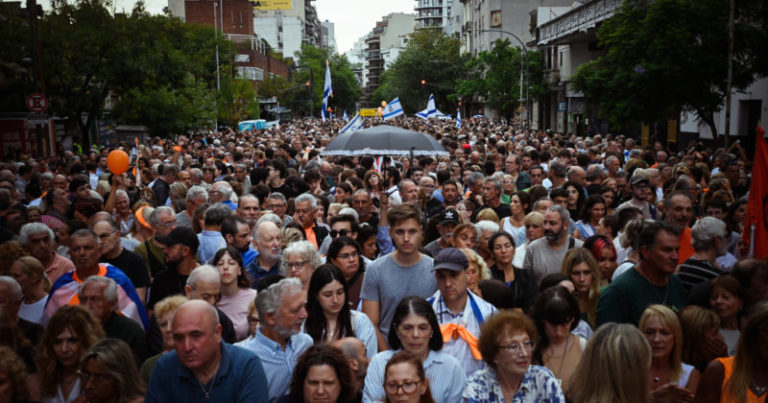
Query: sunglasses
(335, 233)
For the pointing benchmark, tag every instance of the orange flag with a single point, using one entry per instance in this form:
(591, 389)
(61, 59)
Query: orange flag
(757, 207)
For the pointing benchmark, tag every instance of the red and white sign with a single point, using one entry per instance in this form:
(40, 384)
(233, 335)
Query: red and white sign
(37, 102)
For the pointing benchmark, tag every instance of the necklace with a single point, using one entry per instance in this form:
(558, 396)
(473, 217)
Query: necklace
(207, 393)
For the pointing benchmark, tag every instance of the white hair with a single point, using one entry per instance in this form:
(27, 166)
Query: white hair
(205, 273)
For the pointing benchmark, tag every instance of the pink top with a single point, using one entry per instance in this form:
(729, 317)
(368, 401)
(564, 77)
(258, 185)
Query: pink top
(60, 265)
(236, 308)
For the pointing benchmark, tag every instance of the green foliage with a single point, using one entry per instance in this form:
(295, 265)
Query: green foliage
(238, 100)
(495, 77)
(346, 91)
(664, 56)
(431, 56)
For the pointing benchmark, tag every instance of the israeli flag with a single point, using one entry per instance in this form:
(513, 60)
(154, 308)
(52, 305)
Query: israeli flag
(458, 120)
(345, 115)
(393, 109)
(354, 125)
(431, 110)
(327, 90)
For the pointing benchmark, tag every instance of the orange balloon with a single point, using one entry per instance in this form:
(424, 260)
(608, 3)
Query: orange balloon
(117, 162)
(383, 104)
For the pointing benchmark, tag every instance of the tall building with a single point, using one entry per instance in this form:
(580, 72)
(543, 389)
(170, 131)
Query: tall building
(384, 45)
(328, 35)
(433, 14)
(286, 29)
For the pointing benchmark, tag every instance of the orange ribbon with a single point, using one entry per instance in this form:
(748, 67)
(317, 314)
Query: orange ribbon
(453, 330)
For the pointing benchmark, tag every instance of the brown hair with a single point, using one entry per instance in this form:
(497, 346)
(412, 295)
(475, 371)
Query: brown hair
(402, 212)
(497, 325)
(406, 358)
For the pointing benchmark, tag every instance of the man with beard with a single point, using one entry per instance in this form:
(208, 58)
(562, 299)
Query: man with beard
(279, 341)
(237, 233)
(180, 250)
(357, 358)
(545, 255)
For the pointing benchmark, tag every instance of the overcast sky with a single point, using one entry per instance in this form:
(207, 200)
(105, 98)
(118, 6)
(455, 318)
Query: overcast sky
(352, 18)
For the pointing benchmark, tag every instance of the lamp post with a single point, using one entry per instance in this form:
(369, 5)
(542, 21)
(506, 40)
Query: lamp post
(311, 87)
(525, 56)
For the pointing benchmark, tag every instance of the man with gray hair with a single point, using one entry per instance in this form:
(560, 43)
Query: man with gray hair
(163, 221)
(278, 204)
(556, 174)
(545, 255)
(211, 239)
(37, 240)
(268, 241)
(196, 196)
(710, 240)
(279, 341)
(99, 295)
(306, 208)
(222, 192)
(492, 189)
(204, 283)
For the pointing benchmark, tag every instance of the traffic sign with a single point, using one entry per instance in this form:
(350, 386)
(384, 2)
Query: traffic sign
(37, 102)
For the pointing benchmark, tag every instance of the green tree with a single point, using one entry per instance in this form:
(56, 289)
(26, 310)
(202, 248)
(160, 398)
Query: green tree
(665, 56)
(494, 76)
(431, 57)
(238, 100)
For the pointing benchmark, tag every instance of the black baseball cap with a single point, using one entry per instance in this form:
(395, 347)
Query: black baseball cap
(180, 235)
(448, 216)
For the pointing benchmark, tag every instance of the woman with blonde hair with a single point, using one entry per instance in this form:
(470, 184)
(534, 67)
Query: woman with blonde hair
(71, 331)
(465, 236)
(476, 272)
(534, 229)
(621, 357)
(30, 274)
(744, 377)
(487, 214)
(581, 268)
(668, 373)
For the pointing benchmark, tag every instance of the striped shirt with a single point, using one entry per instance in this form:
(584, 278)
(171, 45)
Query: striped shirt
(445, 374)
(693, 272)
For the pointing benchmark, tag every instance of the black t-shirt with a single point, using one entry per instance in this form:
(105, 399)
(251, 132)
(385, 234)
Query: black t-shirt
(502, 210)
(133, 266)
(168, 282)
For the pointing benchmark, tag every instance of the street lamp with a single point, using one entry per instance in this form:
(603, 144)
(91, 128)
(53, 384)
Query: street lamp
(525, 54)
(311, 86)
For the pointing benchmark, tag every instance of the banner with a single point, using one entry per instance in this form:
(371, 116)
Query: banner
(757, 207)
(272, 4)
(368, 112)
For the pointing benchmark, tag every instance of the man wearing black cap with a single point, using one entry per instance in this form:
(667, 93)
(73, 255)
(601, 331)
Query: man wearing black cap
(459, 311)
(180, 250)
(446, 223)
(640, 183)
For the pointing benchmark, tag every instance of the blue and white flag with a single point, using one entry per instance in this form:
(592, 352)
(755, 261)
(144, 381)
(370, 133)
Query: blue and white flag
(327, 90)
(354, 125)
(458, 120)
(393, 109)
(345, 115)
(431, 110)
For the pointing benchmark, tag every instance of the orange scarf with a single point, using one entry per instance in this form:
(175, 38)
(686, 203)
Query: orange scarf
(453, 330)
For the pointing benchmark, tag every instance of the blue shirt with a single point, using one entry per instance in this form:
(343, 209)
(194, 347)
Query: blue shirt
(210, 243)
(445, 374)
(279, 363)
(538, 386)
(240, 378)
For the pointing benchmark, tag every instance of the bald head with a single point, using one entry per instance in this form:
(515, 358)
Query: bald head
(195, 310)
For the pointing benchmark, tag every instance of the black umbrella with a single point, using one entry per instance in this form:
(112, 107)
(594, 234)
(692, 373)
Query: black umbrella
(384, 140)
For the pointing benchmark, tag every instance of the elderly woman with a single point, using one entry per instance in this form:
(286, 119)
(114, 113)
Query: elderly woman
(476, 272)
(506, 342)
(163, 312)
(465, 236)
(416, 331)
(534, 229)
(299, 260)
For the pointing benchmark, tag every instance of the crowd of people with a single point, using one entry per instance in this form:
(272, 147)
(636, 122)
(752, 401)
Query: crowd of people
(525, 267)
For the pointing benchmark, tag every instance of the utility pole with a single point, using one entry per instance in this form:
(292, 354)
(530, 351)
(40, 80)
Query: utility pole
(729, 84)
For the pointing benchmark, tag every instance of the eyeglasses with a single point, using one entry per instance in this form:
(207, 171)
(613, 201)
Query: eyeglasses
(335, 233)
(516, 348)
(408, 387)
(346, 256)
(252, 319)
(296, 265)
(87, 376)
